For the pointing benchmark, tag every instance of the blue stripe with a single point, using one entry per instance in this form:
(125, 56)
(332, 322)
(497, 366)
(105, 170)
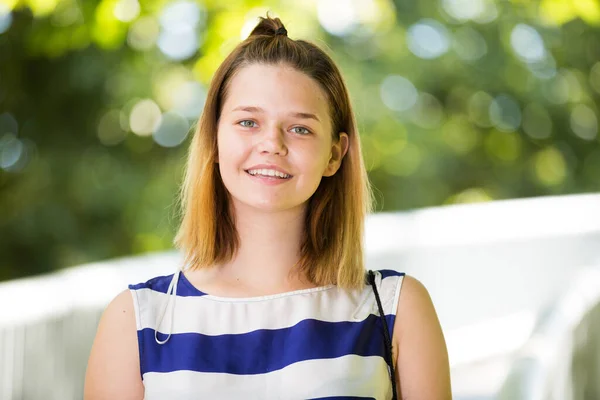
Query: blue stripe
(389, 272)
(161, 284)
(263, 350)
(141, 352)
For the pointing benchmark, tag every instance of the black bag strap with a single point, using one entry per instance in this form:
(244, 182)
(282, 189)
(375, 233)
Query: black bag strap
(386, 334)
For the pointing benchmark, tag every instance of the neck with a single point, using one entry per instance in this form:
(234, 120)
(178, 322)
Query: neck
(269, 249)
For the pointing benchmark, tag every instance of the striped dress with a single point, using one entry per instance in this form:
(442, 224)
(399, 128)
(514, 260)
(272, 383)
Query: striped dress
(319, 343)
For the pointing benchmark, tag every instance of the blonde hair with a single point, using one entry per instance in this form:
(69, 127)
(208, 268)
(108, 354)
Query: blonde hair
(332, 244)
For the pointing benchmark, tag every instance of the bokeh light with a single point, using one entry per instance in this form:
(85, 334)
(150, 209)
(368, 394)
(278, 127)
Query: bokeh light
(460, 11)
(176, 90)
(595, 77)
(584, 122)
(479, 109)
(143, 33)
(67, 13)
(11, 150)
(470, 195)
(398, 93)
(556, 90)
(460, 135)
(127, 10)
(15, 153)
(536, 121)
(180, 22)
(464, 10)
(574, 84)
(544, 69)
(5, 18)
(468, 44)
(172, 130)
(347, 17)
(110, 129)
(404, 163)
(505, 113)
(550, 167)
(428, 112)
(145, 117)
(527, 43)
(189, 99)
(337, 17)
(503, 146)
(428, 39)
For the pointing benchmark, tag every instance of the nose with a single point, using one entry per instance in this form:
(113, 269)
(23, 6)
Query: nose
(272, 141)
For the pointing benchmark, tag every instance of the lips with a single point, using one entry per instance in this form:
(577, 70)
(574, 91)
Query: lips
(268, 173)
(268, 176)
(269, 166)
(268, 180)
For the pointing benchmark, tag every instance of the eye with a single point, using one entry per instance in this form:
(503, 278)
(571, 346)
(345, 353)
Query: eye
(301, 130)
(247, 123)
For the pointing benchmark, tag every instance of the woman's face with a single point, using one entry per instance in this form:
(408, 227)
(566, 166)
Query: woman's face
(275, 120)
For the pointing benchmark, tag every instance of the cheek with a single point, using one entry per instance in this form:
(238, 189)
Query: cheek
(320, 159)
(233, 151)
(315, 163)
(225, 145)
(221, 143)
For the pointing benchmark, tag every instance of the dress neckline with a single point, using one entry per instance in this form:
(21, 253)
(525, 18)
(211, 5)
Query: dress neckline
(185, 281)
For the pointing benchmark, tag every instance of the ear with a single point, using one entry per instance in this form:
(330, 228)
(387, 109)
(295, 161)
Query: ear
(338, 151)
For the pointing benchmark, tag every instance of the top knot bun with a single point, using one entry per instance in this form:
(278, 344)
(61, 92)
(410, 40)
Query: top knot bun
(269, 27)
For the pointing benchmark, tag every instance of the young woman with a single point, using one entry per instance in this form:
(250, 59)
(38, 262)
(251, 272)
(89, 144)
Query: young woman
(274, 302)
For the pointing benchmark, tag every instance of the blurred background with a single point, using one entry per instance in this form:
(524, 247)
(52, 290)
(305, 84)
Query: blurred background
(479, 125)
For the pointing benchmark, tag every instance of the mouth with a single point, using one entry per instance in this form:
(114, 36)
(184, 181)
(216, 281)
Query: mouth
(269, 177)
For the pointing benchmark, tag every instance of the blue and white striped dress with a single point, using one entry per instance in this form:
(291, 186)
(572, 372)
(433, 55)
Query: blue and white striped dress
(320, 343)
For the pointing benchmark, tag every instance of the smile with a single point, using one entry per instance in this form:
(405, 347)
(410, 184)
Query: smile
(268, 179)
(268, 173)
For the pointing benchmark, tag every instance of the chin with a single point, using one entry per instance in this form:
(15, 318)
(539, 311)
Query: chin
(271, 207)
(274, 206)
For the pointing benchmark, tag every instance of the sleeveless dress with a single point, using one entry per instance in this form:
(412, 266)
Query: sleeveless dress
(318, 343)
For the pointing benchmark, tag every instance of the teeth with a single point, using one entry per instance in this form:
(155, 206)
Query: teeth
(268, 172)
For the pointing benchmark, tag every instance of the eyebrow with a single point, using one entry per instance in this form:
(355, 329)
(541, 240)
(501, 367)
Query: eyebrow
(303, 115)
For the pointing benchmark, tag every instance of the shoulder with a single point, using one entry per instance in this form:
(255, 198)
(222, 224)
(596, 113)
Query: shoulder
(415, 308)
(414, 298)
(114, 356)
(421, 356)
(119, 317)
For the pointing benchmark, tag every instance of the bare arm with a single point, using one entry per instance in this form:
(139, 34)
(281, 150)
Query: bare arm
(113, 370)
(423, 371)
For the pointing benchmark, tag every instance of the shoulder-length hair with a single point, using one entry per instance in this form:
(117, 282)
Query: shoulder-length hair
(332, 244)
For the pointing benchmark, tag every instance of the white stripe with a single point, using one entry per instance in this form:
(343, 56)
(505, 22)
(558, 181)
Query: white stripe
(205, 315)
(349, 375)
(136, 309)
(396, 298)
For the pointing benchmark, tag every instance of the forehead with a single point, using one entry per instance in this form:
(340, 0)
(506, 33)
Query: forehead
(276, 88)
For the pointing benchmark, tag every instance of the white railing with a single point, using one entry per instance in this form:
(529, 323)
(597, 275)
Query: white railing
(491, 269)
(561, 359)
